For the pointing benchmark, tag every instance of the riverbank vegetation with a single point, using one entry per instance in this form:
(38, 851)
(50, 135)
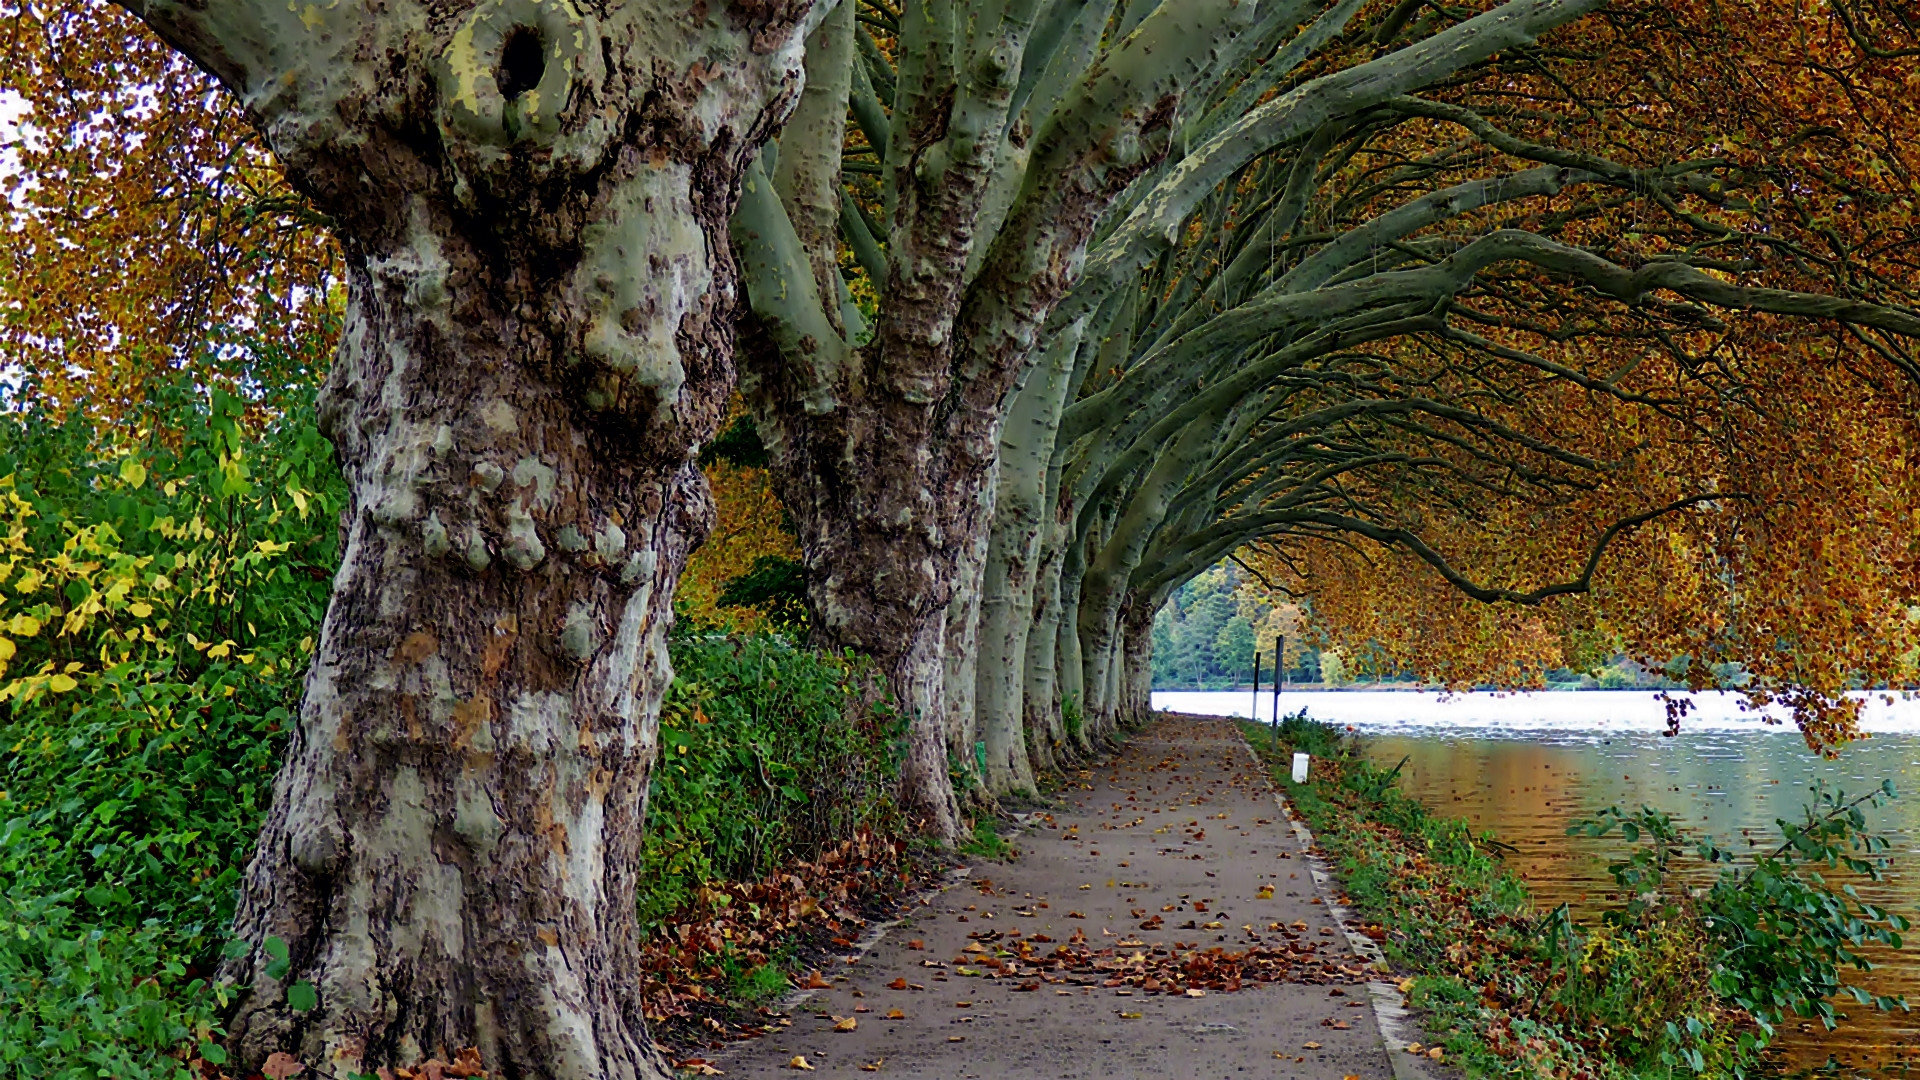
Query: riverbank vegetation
(1692, 974)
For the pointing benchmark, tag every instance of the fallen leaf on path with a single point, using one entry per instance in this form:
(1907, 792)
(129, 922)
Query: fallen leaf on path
(916, 943)
(1310, 1045)
(896, 1014)
(799, 1061)
(815, 982)
(897, 984)
(1202, 993)
(873, 1066)
(845, 1023)
(1131, 1016)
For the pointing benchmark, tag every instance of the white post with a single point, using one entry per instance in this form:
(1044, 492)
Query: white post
(1300, 762)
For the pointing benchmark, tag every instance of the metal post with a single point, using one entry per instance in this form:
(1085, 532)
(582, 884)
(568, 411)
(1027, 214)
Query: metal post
(1279, 673)
(1279, 660)
(1255, 714)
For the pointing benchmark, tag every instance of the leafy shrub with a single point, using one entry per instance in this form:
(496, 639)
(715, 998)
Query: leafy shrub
(158, 602)
(768, 752)
(1777, 931)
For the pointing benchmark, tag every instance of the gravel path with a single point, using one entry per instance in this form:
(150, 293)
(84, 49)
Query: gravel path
(1174, 848)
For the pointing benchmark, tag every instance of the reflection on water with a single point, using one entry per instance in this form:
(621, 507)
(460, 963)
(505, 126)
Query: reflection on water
(1524, 766)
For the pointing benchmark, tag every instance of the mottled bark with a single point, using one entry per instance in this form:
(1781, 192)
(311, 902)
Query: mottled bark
(1069, 666)
(532, 201)
(963, 655)
(1135, 696)
(1008, 581)
(1040, 688)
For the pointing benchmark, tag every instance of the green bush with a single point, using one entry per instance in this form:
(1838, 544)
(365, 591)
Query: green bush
(768, 752)
(158, 601)
(1777, 933)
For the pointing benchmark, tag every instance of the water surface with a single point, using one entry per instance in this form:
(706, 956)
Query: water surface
(1524, 766)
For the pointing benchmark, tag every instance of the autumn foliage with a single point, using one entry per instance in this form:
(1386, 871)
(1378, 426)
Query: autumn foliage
(148, 231)
(1794, 437)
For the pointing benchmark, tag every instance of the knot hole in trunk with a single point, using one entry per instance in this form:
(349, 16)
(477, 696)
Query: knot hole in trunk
(522, 61)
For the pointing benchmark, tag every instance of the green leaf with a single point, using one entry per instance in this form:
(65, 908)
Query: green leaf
(213, 1054)
(302, 997)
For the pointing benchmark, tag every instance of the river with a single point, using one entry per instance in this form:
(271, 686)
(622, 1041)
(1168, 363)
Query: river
(1525, 765)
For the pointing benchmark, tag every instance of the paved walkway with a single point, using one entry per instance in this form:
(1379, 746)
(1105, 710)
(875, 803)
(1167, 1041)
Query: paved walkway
(1178, 845)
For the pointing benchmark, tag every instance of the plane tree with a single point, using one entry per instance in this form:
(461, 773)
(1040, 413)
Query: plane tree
(530, 200)
(910, 237)
(1511, 271)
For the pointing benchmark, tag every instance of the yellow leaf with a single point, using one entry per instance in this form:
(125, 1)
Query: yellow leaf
(6, 649)
(60, 684)
(799, 1061)
(134, 473)
(140, 609)
(846, 1023)
(24, 625)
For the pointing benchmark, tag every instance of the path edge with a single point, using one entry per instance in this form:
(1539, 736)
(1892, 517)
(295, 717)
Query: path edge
(1392, 1018)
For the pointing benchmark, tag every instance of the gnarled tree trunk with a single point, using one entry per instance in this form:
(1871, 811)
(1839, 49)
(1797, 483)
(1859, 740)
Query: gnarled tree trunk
(532, 200)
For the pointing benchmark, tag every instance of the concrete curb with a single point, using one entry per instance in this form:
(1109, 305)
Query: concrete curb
(1390, 1013)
